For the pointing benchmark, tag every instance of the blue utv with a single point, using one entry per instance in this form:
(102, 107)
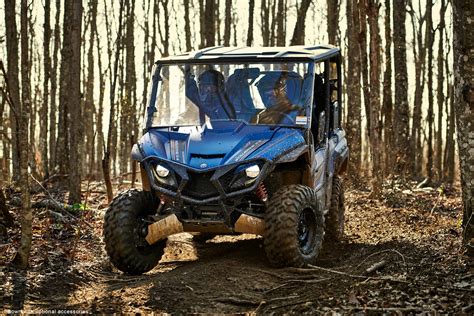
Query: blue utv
(237, 140)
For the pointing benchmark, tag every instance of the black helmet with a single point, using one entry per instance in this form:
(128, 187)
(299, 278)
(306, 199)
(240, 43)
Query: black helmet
(211, 77)
(272, 81)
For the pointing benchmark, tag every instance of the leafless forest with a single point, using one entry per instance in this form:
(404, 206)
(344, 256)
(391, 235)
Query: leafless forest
(73, 89)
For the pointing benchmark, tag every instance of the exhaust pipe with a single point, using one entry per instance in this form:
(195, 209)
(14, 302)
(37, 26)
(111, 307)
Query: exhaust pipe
(163, 228)
(171, 225)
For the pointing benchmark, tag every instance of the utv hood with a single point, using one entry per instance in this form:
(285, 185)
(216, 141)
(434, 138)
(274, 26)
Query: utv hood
(217, 145)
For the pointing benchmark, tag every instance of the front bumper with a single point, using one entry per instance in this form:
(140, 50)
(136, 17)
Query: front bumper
(203, 186)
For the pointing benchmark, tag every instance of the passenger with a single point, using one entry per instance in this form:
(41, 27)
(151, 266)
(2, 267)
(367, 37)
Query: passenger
(210, 96)
(279, 108)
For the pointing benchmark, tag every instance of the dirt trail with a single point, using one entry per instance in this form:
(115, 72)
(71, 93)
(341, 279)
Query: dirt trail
(416, 234)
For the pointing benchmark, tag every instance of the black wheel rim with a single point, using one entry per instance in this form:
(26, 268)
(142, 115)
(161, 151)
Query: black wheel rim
(139, 233)
(306, 231)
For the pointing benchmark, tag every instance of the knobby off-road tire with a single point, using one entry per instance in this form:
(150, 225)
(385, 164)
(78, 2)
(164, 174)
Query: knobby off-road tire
(335, 216)
(124, 233)
(294, 227)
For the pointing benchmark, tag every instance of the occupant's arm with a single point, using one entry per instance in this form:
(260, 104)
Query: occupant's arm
(192, 92)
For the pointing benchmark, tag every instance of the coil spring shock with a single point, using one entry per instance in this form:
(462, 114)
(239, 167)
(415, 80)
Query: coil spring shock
(261, 192)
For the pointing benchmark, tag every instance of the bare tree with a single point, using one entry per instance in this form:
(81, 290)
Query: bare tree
(299, 31)
(187, 26)
(387, 105)
(47, 73)
(440, 91)
(353, 88)
(54, 87)
(402, 114)
(375, 65)
(464, 103)
(362, 6)
(265, 18)
(419, 54)
(449, 161)
(281, 23)
(250, 29)
(89, 104)
(70, 98)
(333, 21)
(429, 40)
(13, 82)
(208, 25)
(113, 83)
(23, 253)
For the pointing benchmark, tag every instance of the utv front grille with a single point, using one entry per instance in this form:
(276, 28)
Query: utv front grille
(200, 186)
(226, 180)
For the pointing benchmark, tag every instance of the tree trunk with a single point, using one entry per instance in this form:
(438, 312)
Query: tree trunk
(375, 65)
(299, 31)
(333, 20)
(166, 34)
(72, 97)
(209, 30)
(449, 162)
(273, 36)
(113, 82)
(187, 26)
(440, 93)
(89, 104)
(429, 37)
(265, 18)
(62, 148)
(401, 88)
(280, 21)
(353, 90)
(450, 138)
(364, 58)
(250, 29)
(47, 74)
(202, 25)
(100, 111)
(13, 82)
(416, 153)
(23, 253)
(387, 105)
(464, 104)
(54, 86)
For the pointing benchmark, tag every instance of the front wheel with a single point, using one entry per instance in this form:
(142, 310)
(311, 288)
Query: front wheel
(125, 232)
(294, 227)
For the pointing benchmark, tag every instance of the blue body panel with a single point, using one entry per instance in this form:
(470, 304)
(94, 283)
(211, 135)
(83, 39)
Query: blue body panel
(220, 144)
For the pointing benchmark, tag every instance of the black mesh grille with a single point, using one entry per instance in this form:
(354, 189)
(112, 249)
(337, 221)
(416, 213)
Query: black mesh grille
(226, 180)
(200, 185)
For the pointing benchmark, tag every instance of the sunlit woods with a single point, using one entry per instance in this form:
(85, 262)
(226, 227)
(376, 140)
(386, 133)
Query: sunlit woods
(75, 81)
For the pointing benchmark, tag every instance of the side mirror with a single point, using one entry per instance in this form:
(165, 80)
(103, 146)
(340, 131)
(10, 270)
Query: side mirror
(321, 126)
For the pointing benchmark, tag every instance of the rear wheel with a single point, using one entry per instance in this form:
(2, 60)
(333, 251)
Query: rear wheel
(125, 232)
(335, 216)
(294, 227)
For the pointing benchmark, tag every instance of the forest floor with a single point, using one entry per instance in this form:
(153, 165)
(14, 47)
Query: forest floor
(414, 234)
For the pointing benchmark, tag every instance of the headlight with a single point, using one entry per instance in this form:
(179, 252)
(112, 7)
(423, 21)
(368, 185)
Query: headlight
(161, 171)
(252, 171)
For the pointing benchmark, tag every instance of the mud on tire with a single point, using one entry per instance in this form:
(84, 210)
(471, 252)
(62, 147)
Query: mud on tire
(335, 216)
(123, 233)
(294, 227)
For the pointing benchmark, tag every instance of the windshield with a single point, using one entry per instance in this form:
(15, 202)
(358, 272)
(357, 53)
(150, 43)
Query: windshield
(264, 93)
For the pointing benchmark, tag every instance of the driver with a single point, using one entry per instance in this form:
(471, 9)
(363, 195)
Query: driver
(279, 109)
(210, 96)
